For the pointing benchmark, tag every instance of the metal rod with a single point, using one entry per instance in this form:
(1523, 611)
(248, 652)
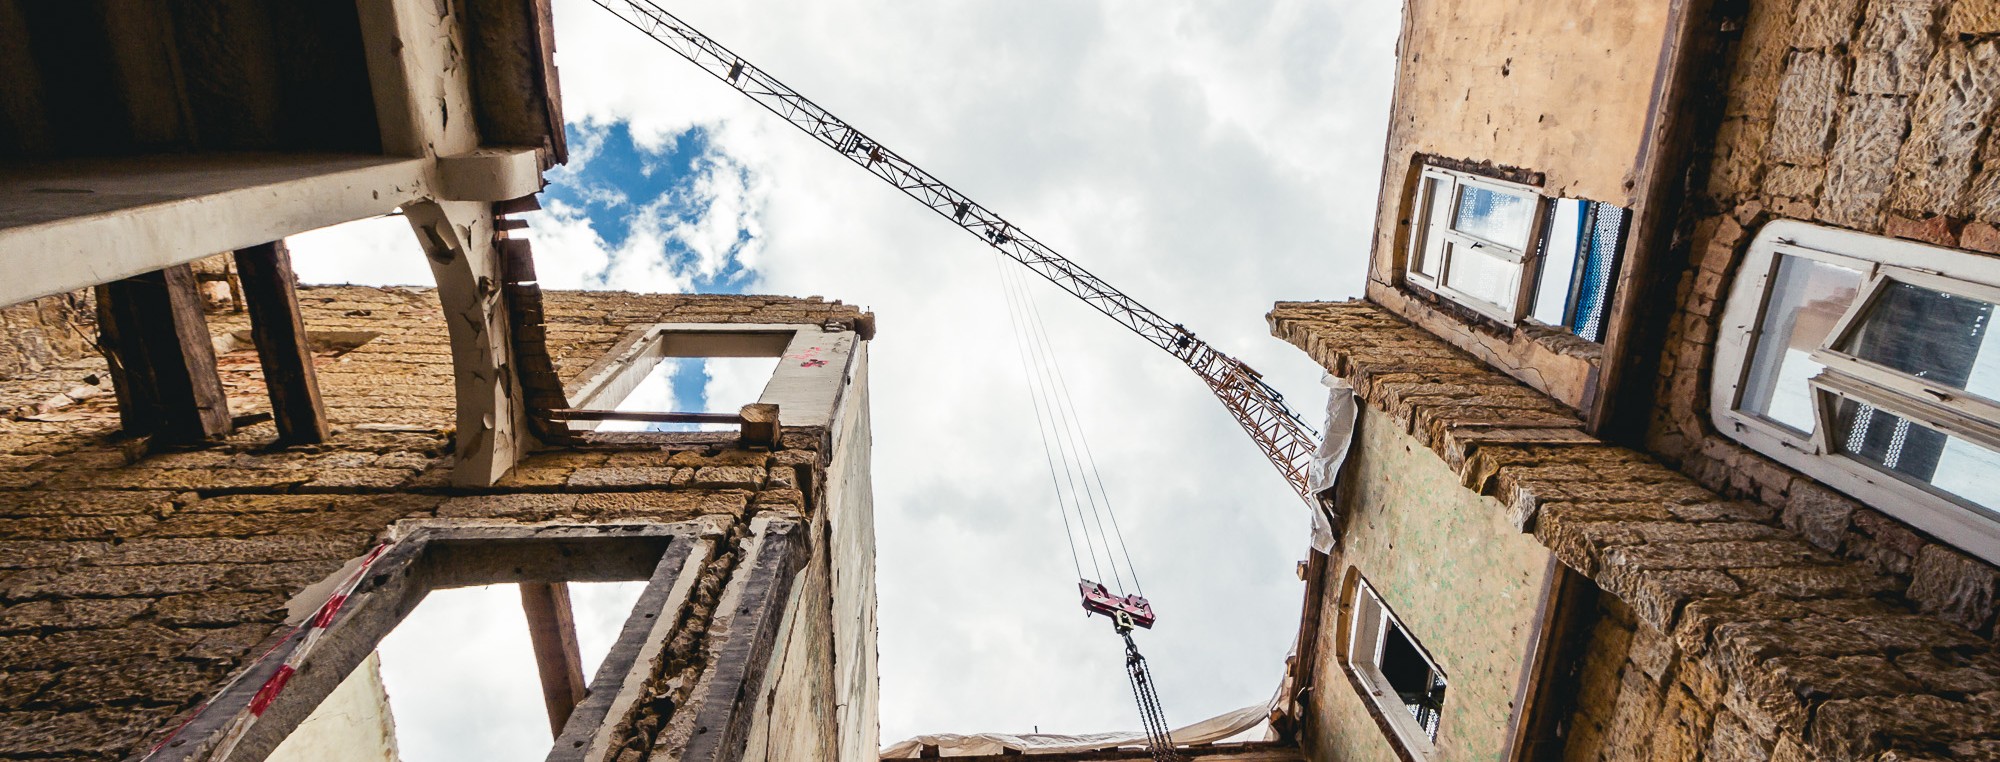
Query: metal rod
(624, 415)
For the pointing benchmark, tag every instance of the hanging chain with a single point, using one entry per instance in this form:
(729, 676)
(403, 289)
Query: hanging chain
(1159, 740)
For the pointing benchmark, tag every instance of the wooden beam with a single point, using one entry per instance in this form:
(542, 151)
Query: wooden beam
(278, 329)
(152, 331)
(552, 628)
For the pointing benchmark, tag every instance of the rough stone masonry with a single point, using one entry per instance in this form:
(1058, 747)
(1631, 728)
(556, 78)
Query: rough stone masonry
(132, 583)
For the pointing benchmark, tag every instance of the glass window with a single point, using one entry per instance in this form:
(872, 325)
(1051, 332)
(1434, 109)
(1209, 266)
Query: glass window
(1495, 215)
(1477, 274)
(1579, 266)
(1807, 297)
(1405, 686)
(1430, 254)
(1870, 365)
(1470, 238)
(1919, 453)
(1943, 338)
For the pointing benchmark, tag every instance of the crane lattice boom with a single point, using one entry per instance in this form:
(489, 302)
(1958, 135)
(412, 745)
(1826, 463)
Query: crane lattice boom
(1285, 439)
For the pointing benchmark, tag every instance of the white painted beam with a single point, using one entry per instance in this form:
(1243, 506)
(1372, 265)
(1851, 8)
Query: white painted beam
(74, 224)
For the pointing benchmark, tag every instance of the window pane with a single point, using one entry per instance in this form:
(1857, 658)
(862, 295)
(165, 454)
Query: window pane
(1497, 216)
(1942, 338)
(1807, 297)
(1910, 449)
(1552, 287)
(1484, 277)
(1436, 191)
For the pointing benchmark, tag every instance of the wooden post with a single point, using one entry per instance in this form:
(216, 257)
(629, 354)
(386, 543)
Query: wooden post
(279, 332)
(552, 628)
(152, 332)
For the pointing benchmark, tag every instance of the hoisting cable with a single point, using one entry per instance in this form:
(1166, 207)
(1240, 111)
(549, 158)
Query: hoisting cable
(1055, 410)
(1048, 453)
(1090, 456)
(1044, 374)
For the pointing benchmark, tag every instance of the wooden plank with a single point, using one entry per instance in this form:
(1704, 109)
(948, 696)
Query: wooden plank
(152, 331)
(278, 329)
(552, 628)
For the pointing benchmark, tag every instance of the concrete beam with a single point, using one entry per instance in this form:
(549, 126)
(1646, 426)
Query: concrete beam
(490, 174)
(74, 224)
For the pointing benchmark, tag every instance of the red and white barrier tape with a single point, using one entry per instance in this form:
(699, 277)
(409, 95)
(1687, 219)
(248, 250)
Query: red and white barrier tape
(313, 628)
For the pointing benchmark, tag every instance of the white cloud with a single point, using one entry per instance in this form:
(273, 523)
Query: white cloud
(379, 251)
(1207, 158)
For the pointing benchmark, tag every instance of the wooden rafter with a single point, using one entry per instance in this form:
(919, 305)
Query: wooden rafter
(278, 329)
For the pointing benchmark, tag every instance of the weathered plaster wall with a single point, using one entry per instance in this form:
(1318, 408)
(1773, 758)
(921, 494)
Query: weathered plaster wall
(1455, 560)
(1561, 88)
(133, 583)
(1550, 94)
(1872, 115)
(1746, 641)
(353, 724)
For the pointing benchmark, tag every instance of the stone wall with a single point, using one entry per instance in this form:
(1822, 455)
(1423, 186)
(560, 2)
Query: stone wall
(1871, 115)
(46, 332)
(132, 583)
(1730, 635)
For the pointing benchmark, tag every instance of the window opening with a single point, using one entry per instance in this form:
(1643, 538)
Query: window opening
(1509, 253)
(1873, 368)
(1397, 675)
(427, 641)
(1471, 241)
(1579, 266)
(695, 385)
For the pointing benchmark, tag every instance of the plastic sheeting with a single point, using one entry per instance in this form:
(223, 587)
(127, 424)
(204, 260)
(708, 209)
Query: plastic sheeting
(1325, 468)
(1210, 730)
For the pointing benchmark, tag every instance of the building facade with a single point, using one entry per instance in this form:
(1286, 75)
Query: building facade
(1677, 433)
(220, 490)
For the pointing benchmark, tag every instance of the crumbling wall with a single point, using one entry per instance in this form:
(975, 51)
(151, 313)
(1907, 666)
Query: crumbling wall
(1746, 641)
(46, 332)
(1872, 115)
(133, 583)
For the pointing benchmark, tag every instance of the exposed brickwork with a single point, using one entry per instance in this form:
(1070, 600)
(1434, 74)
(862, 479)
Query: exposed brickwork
(132, 584)
(1872, 115)
(1731, 635)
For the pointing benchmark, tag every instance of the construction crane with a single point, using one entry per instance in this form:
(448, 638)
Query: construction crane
(1287, 441)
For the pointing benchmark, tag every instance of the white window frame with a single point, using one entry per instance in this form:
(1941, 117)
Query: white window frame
(1953, 411)
(806, 384)
(1368, 620)
(1423, 227)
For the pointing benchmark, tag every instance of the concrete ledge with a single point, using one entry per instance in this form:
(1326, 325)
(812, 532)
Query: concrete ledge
(1798, 645)
(70, 225)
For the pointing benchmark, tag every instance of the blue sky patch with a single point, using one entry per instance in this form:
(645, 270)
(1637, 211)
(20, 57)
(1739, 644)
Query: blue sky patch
(619, 185)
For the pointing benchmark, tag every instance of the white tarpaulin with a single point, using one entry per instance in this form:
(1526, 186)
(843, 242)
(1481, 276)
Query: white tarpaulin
(1210, 730)
(1332, 452)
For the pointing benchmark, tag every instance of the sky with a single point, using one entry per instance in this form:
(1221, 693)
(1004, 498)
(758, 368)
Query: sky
(1208, 158)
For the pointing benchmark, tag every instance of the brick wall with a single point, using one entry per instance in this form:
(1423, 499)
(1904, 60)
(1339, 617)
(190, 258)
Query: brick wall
(1725, 634)
(131, 583)
(1871, 115)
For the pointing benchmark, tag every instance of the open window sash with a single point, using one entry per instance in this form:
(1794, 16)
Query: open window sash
(1486, 275)
(1837, 353)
